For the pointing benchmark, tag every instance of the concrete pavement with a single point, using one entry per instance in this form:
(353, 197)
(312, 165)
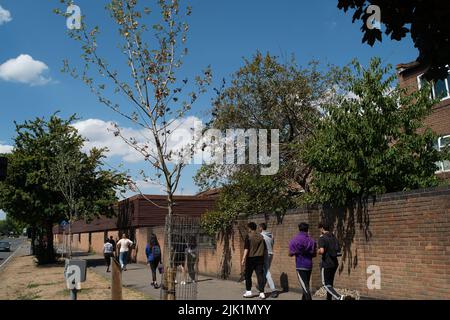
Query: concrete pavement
(138, 277)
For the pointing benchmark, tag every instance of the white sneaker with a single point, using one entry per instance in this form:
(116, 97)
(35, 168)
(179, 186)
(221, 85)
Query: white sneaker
(176, 281)
(183, 283)
(262, 295)
(248, 294)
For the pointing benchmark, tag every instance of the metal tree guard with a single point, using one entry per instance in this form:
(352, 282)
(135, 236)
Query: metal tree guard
(180, 258)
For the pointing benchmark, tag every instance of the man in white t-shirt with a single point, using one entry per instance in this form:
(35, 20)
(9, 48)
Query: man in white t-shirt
(124, 245)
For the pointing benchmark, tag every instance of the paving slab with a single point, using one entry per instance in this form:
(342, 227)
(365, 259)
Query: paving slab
(138, 277)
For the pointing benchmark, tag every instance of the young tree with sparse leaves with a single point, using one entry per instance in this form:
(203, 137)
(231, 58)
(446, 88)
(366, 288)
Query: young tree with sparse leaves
(153, 44)
(76, 176)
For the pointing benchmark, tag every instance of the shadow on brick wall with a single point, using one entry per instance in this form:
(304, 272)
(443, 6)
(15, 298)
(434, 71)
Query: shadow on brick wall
(345, 221)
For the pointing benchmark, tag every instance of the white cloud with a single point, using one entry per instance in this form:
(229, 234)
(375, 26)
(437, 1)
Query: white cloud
(24, 69)
(148, 186)
(4, 148)
(5, 16)
(100, 134)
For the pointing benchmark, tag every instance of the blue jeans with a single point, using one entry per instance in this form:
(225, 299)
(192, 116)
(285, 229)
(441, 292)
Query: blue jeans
(123, 259)
(267, 263)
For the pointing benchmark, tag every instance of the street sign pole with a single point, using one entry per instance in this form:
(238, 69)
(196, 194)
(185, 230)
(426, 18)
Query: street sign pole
(73, 294)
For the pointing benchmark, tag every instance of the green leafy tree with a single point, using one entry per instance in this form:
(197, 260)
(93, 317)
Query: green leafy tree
(10, 225)
(247, 195)
(426, 21)
(371, 141)
(32, 192)
(265, 94)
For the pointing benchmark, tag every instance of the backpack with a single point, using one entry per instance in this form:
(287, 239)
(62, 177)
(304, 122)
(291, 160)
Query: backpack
(156, 252)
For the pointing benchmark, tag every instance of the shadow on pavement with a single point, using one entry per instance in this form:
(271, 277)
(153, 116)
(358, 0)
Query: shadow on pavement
(98, 262)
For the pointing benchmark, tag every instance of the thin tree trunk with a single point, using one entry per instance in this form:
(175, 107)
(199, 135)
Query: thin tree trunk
(171, 270)
(50, 249)
(33, 241)
(70, 239)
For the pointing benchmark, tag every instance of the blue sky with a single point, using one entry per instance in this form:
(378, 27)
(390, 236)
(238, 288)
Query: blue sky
(221, 34)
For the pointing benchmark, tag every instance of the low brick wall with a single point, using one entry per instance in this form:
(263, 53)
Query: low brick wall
(410, 243)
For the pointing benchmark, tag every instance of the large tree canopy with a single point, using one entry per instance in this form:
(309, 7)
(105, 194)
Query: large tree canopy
(31, 193)
(372, 141)
(265, 94)
(268, 94)
(425, 20)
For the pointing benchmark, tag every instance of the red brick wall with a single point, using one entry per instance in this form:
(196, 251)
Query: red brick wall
(283, 267)
(439, 120)
(410, 243)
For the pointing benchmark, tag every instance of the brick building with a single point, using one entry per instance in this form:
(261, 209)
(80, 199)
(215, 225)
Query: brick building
(410, 77)
(136, 216)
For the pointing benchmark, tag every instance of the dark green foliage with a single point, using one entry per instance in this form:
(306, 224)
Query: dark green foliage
(425, 20)
(31, 194)
(370, 141)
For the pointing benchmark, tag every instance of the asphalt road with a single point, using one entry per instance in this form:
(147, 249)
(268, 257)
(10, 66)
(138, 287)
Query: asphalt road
(15, 244)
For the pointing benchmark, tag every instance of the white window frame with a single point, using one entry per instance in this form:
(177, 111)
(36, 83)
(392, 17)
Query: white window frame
(441, 163)
(433, 93)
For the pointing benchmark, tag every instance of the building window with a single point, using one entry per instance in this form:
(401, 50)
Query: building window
(443, 166)
(439, 89)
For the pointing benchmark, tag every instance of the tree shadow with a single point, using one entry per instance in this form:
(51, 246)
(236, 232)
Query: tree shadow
(226, 237)
(346, 221)
(97, 262)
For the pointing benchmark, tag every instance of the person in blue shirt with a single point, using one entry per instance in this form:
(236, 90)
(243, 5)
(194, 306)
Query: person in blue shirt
(153, 253)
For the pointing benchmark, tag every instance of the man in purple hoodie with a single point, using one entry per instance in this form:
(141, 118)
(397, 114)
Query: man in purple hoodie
(304, 248)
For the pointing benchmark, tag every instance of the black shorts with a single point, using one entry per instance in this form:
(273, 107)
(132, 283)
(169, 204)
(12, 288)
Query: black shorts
(108, 258)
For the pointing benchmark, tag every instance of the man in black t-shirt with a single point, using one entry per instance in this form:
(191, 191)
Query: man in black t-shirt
(111, 240)
(329, 250)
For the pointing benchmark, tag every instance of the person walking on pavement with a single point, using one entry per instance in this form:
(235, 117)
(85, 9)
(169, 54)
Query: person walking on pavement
(329, 250)
(191, 258)
(268, 257)
(253, 260)
(111, 240)
(124, 245)
(153, 253)
(108, 253)
(304, 248)
(179, 256)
